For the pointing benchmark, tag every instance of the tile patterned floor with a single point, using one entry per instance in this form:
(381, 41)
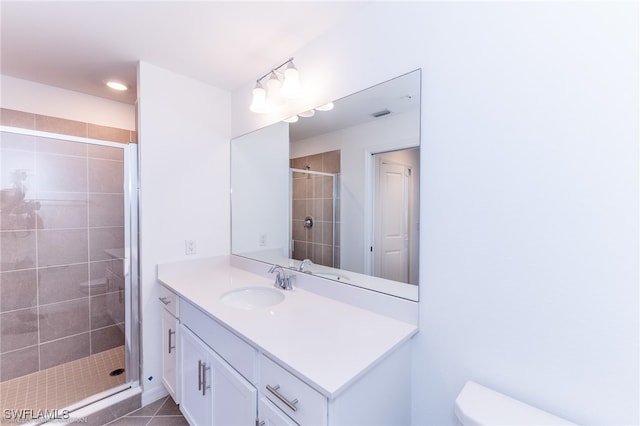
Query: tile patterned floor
(65, 384)
(163, 412)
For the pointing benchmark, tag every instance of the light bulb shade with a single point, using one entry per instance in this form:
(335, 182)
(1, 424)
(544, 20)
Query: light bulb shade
(259, 101)
(291, 86)
(273, 90)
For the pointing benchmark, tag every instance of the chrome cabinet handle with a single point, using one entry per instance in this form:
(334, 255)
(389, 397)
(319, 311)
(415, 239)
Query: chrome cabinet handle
(285, 401)
(164, 300)
(260, 422)
(204, 378)
(171, 346)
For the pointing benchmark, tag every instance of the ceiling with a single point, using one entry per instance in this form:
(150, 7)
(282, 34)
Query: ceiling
(78, 45)
(396, 96)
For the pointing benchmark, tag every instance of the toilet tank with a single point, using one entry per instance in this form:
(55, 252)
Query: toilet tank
(477, 405)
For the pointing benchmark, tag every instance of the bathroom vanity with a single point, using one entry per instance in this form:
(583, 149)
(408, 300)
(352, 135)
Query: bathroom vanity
(300, 359)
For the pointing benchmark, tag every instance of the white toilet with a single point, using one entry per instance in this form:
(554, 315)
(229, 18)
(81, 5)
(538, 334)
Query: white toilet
(477, 405)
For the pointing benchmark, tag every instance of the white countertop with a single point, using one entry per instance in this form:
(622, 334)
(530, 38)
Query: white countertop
(326, 342)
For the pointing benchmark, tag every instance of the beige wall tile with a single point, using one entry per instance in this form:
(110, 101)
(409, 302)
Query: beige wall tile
(61, 125)
(62, 283)
(101, 239)
(105, 152)
(106, 338)
(62, 247)
(64, 350)
(17, 250)
(13, 118)
(18, 329)
(18, 363)
(64, 319)
(60, 173)
(331, 162)
(111, 134)
(18, 290)
(106, 176)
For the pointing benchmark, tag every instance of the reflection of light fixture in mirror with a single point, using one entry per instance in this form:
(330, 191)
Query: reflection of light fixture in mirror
(292, 119)
(325, 107)
(306, 114)
(116, 85)
(281, 84)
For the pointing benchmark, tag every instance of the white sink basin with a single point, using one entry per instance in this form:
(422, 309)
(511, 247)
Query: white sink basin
(249, 298)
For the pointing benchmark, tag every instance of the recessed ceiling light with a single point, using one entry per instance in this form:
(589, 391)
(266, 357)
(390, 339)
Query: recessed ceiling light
(116, 85)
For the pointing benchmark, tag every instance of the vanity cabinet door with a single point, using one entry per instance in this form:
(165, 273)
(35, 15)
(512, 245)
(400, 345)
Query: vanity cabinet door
(270, 415)
(169, 350)
(234, 398)
(195, 379)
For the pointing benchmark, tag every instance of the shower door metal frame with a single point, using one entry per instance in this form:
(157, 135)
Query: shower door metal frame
(131, 267)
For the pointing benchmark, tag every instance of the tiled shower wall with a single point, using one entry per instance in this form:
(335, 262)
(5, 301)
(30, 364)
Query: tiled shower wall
(313, 196)
(61, 249)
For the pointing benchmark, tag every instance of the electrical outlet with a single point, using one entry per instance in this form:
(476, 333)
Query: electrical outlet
(189, 246)
(263, 240)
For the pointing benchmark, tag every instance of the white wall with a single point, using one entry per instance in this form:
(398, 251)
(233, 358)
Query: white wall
(260, 184)
(529, 220)
(184, 181)
(36, 98)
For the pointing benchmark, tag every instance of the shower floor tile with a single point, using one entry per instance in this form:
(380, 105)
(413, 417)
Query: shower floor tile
(63, 385)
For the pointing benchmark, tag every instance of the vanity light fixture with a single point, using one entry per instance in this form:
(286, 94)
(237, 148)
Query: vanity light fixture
(259, 102)
(281, 85)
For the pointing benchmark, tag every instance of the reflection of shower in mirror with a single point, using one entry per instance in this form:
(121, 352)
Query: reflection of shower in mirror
(348, 135)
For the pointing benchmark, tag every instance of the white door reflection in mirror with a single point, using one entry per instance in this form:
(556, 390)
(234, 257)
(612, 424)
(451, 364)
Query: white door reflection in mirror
(395, 229)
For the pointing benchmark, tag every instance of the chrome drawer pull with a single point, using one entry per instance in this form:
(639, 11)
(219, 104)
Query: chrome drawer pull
(290, 404)
(164, 300)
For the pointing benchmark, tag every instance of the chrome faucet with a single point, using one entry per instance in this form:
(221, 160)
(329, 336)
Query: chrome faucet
(283, 280)
(304, 263)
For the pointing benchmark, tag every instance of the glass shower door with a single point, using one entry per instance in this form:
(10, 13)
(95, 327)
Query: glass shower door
(65, 281)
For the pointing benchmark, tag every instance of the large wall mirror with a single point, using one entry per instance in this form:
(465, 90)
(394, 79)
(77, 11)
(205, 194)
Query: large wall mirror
(338, 189)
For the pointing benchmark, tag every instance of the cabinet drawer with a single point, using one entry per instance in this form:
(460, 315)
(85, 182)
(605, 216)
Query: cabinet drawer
(297, 399)
(233, 349)
(169, 300)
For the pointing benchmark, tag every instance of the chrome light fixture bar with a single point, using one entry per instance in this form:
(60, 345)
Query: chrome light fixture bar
(283, 83)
